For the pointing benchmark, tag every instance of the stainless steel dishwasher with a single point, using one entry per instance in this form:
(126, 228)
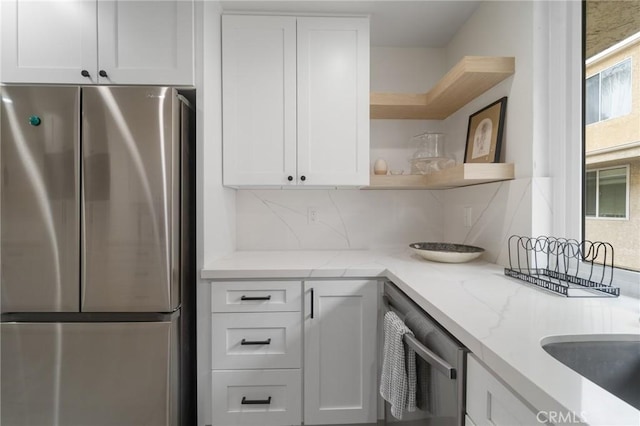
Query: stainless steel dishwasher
(440, 365)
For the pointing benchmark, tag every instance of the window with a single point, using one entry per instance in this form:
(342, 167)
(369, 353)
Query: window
(607, 193)
(608, 93)
(611, 185)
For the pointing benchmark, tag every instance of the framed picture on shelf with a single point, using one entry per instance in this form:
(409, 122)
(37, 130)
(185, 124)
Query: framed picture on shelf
(484, 134)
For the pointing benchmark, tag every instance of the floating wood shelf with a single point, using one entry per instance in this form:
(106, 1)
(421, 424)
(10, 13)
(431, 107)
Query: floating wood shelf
(468, 79)
(454, 177)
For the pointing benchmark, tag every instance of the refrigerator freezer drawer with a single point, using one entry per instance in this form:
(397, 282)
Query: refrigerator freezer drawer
(89, 373)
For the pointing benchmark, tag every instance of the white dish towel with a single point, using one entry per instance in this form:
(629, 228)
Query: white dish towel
(398, 381)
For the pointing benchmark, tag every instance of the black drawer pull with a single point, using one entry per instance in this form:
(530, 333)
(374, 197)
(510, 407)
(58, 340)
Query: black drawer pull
(255, 298)
(246, 401)
(255, 342)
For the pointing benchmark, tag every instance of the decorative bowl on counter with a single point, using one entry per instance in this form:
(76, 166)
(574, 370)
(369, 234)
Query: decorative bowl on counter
(446, 252)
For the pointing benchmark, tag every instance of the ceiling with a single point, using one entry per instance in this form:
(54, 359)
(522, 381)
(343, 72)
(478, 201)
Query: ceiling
(394, 23)
(609, 22)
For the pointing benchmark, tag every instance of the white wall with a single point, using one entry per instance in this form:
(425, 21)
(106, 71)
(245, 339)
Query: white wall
(218, 203)
(215, 204)
(499, 29)
(402, 70)
(522, 206)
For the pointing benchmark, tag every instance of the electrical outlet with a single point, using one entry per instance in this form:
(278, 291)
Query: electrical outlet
(467, 217)
(312, 215)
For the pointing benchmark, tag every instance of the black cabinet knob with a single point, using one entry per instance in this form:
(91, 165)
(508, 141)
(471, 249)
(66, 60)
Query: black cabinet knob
(85, 73)
(303, 178)
(103, 73)
(290, 178)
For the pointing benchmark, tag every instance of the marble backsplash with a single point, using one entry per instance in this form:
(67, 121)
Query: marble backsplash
(359, 219)
(346, 219)
(498, 210)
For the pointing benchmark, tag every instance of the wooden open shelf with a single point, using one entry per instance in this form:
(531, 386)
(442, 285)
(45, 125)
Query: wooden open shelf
(468, 79)
(454, 177)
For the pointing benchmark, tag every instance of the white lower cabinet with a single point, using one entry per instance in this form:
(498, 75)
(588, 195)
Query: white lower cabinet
(261, 381)
(340, 346)
(490, 402)
(256, 397)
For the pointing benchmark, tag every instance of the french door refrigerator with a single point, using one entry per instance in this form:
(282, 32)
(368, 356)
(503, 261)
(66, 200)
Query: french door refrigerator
(96, 259)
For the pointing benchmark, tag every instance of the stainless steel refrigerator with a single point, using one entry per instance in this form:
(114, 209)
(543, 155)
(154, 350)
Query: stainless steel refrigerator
(96, 271)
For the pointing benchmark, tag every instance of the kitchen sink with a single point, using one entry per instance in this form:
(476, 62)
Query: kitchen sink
(612, 362)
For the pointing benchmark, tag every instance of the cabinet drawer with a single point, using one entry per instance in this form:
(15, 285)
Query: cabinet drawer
(271, 397)
(261, 296)
(256, 340)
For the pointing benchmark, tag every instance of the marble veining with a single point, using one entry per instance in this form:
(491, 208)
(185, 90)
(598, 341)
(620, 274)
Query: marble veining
(475, 225)
(510, 229)
(347, 219)
(499, 210)
(271, 206)
(344, 226)
(354, 219)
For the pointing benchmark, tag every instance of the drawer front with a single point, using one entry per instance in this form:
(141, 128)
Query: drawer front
(256, 340)
(256, 296)
(271, 397)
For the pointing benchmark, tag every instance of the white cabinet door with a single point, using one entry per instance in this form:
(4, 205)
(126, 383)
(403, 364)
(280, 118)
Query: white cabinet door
(259, 100)
(295, 101)
(340, 363)
(48, 41)
(491, 403)
(145, 42)
(333, 101)
(97, 42)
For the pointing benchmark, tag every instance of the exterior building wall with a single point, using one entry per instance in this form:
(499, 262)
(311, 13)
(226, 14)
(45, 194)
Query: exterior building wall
(623, 234)
(619, 130)
(616, 142)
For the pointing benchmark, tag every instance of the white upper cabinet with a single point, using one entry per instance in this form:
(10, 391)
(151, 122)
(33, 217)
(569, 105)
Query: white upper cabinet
(333, 101)
(97, 42)
(146, 42)
(259, 99)
(295, 101)
(48, 41)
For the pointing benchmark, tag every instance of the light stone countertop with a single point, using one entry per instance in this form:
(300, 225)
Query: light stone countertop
(500, 319)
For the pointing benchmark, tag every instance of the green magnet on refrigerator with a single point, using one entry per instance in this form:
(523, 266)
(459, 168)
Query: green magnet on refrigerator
(34, 120)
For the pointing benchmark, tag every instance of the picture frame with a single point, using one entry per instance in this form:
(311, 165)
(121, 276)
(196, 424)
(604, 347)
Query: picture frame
(484, 133)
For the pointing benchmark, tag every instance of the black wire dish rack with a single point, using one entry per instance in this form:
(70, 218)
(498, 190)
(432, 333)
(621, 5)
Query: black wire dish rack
(567, 267)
